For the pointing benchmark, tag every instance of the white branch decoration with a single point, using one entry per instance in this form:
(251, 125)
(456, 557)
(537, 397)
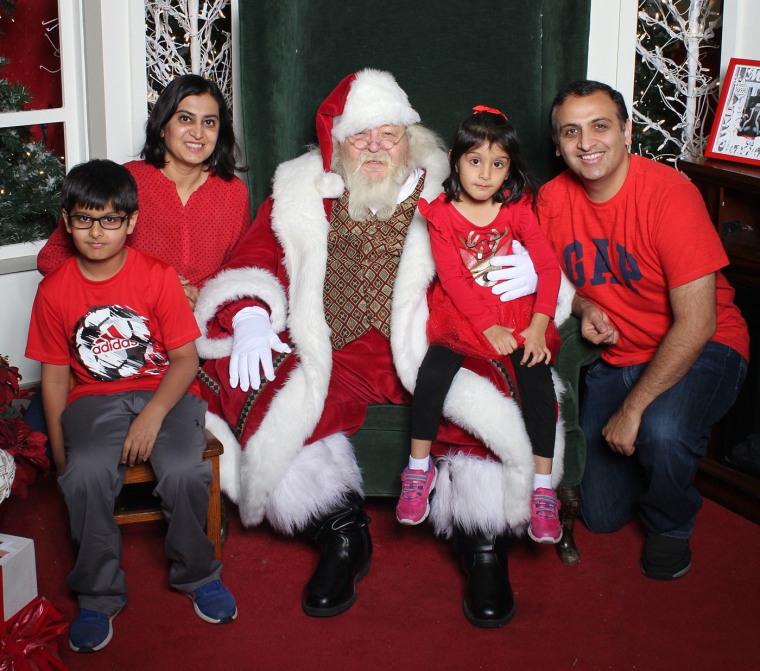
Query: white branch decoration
(692, 84)
(165, 59)
(50, 26)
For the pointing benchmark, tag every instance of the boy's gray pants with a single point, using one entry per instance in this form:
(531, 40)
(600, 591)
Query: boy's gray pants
(94, 429)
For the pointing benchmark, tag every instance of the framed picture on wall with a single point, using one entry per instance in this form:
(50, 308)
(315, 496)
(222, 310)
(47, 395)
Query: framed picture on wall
(735, 133)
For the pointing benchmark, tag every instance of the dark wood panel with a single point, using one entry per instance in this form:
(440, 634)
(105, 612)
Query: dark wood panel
(732, 195)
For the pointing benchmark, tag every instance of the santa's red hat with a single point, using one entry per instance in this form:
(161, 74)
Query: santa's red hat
(364, 100)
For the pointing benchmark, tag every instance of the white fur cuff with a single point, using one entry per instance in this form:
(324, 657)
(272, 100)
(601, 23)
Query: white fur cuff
(315, 484)
(469, 495)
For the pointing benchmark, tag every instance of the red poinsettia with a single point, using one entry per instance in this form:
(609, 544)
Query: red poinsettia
(27, 447)
(9, 378)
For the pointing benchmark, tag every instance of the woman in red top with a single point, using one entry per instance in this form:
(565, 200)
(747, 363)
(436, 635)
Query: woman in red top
(193, 209)
(486, 207)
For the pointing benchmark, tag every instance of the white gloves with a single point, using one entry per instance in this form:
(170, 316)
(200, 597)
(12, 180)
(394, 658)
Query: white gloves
(253, 340)
(517, 278)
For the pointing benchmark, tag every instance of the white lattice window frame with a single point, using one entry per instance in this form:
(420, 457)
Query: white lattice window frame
(71, 113)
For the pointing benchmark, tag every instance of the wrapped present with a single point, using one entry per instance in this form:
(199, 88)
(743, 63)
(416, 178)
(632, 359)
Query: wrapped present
(29, 639)
(18, 574)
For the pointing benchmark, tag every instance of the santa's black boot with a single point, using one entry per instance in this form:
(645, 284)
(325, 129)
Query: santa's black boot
(344, 559)
(489, 600)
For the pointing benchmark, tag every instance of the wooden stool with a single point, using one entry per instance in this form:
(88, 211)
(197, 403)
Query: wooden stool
(144, 473)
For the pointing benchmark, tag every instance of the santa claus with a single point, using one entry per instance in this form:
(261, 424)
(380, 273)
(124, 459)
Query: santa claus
(327, 294)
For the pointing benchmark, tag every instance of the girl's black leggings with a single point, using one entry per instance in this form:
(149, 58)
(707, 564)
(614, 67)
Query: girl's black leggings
(534, 386)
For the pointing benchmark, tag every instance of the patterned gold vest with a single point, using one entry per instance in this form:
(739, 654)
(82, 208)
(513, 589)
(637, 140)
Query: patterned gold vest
(362, 259)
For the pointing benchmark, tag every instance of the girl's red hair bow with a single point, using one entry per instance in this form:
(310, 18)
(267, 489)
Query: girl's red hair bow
(483, 108)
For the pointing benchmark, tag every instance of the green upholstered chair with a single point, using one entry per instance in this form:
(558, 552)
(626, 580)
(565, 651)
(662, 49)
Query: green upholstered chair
(574, 355)
(382, 448)
(294, 53)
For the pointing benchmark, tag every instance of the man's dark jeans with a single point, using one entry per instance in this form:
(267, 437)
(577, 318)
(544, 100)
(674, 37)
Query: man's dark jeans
(657, 481)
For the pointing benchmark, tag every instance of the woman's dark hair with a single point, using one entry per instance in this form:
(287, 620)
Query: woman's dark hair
(98, 184)
(222, 159)
(491, 129)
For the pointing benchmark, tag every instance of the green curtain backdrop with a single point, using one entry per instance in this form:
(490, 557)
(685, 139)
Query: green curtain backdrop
(447, 56)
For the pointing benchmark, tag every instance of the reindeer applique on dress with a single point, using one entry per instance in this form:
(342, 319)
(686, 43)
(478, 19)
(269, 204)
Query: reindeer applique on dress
(479, 248)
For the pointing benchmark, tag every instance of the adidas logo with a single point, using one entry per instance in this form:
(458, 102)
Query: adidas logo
(112, 341)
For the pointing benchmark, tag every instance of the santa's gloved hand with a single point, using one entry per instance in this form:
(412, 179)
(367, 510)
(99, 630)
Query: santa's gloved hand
(517, 277)
(253, 340)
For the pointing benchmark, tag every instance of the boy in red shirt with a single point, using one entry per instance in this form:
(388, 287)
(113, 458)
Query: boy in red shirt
(118, 320)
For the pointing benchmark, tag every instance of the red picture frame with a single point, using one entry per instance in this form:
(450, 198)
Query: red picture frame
(735, 133)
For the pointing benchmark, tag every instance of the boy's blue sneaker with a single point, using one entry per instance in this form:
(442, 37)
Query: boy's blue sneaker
(91, 630)
(214, 603)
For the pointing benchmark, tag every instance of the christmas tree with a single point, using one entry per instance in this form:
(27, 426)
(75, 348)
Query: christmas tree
(30, 175)
(7, 6)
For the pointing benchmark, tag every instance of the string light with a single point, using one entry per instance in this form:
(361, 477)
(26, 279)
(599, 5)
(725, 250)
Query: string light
(690, 85)
(205, 46)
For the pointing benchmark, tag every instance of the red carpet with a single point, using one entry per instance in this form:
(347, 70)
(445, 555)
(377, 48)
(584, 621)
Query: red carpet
(602, 614)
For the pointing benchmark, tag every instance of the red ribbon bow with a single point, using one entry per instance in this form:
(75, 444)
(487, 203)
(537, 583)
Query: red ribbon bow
(29, 640)
(483, 108)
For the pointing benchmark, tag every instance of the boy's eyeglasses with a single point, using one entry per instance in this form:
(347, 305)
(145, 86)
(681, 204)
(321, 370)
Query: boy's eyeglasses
(363, 140)
(109, 222)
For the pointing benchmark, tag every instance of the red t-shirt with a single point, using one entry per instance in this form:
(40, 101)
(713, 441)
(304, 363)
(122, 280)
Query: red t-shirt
(462, 306)
(627, 253)
(196, 238)
(114, 334)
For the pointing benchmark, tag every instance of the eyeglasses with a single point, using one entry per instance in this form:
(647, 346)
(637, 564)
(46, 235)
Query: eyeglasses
(108, 222)
(386, 141)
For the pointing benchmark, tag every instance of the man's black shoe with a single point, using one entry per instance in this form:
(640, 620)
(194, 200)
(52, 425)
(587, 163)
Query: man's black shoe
(665, 557)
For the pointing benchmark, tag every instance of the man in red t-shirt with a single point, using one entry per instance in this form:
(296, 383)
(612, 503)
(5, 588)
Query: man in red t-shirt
(635, 239)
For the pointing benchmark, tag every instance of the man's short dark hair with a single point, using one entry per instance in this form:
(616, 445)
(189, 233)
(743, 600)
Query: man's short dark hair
(98, 184)
(586, 87)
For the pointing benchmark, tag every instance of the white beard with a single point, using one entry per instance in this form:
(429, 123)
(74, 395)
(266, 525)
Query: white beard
(366, 194)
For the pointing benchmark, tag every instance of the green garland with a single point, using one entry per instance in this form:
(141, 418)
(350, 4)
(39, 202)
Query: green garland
(7, 6)
(30, 174)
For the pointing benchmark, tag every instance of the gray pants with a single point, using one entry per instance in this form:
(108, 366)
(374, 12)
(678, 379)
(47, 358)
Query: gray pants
(94, 429)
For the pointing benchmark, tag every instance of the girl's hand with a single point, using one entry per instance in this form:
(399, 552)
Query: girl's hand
(535, 346)
(501, 339)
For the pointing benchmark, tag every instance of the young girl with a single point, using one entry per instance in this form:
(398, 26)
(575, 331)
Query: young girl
(487, 204)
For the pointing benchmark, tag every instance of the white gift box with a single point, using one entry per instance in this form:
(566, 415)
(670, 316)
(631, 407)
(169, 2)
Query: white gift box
(18, 574)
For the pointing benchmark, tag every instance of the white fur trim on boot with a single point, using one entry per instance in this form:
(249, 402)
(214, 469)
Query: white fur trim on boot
(469, 494)
(315, 484)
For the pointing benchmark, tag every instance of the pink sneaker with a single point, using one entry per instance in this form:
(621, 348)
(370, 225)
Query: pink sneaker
(545, 526)
(413, 506)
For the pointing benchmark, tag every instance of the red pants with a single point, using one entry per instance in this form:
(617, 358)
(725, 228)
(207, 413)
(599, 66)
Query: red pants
(362, 374)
